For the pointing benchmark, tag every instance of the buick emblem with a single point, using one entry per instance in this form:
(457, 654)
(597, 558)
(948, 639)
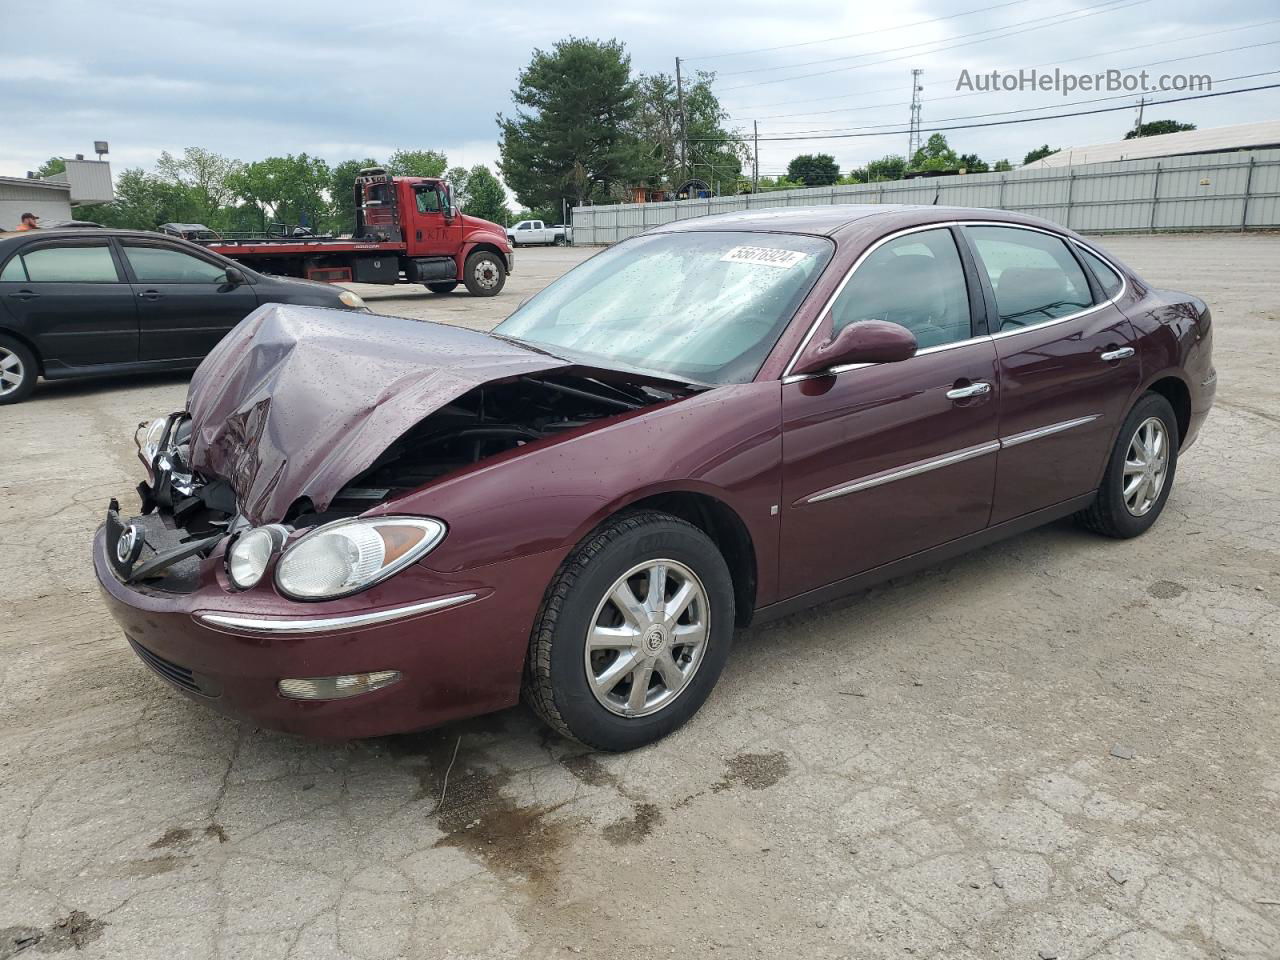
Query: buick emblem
(127, 543)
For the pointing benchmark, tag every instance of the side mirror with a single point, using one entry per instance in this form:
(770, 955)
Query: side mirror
(235, 276)
(450, 212)
(867, 341)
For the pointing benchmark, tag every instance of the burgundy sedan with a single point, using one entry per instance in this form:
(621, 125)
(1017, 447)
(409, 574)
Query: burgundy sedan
(359, 529)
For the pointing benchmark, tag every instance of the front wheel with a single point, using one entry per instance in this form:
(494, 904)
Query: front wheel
(442, 286)
(1139, 474)
(632, 634)
(18, 371)
(485, 274)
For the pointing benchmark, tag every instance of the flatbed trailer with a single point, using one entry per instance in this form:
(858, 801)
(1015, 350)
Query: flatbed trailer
(407, 231)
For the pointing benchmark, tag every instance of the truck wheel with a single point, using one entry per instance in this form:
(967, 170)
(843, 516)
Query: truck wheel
(485, 274)
(442, 286)
(561, 242)
(18, 371)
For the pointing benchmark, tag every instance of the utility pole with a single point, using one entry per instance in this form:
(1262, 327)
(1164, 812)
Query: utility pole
(913, 136)
(680, 104)
(755, 160)
(1142, 102)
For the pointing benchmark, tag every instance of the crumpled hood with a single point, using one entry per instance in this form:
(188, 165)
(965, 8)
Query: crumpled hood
(296, 401)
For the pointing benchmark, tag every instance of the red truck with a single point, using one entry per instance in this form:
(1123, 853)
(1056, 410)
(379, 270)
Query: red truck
(407, 231)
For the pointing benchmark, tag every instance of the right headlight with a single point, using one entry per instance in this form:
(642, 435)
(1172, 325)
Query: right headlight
(348, 556)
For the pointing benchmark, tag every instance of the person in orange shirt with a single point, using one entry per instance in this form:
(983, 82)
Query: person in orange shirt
(29, 222)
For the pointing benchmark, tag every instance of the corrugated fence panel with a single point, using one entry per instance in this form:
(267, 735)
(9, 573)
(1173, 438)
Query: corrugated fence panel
(1221, 191)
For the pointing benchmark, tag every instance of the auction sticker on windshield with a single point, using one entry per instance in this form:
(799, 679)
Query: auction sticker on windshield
(765, 256)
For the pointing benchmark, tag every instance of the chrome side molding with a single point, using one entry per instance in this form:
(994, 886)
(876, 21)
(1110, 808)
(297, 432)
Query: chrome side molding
(322, 624)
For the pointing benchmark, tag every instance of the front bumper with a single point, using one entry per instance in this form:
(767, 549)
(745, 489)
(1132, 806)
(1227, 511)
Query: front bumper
(457, 659)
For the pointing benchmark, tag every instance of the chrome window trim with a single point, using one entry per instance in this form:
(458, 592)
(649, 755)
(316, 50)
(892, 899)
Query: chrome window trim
(910, 470)
(788, 377)
(947, 459)
(320, 624)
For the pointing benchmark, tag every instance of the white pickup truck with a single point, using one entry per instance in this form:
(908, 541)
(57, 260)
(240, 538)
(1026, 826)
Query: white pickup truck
(528, 232)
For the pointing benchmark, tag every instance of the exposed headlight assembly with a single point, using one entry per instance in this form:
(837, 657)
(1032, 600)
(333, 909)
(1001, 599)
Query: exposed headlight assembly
(148, 437)
(250, 553)
(348, 556)
(349, 299)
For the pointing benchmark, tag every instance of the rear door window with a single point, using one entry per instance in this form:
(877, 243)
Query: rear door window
(152, 264)
(1108, 279)
(78, 264)
(1034, 276)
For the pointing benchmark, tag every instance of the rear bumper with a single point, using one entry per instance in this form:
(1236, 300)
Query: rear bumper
(456, 661)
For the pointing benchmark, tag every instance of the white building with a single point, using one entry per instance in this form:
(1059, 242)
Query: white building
(51, 199)
(1241, 136)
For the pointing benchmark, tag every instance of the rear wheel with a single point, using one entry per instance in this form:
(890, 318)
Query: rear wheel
(1140, 472)
(632, 634)
(442, 286)
(18, 371)
(485, 274)
(561, 241)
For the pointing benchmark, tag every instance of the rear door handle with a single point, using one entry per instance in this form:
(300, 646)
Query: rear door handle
(1122, 354)
(24, 295)
(975, 389)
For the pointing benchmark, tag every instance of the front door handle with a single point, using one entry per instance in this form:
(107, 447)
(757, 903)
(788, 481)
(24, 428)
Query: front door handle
(1123, 353)
(150, 294)
(24, 295)
(975, 389)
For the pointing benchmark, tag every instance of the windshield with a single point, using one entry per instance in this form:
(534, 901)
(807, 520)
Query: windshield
(703, 306)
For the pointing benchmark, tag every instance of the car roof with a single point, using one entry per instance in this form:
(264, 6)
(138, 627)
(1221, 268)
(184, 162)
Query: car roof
(80, 233)
(836, 220)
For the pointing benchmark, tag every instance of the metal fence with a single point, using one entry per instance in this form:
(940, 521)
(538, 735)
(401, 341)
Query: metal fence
(1220, 191)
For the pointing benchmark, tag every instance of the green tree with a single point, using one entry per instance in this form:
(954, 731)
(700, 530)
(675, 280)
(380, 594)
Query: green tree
(457, 177)
(1039, 153)
(53, 165)
(1156, 127)
(572, 136)
(889, 167)
(1002, 166)
(936, 154)
(417, 163)
(142, 202)
(814, 169)
(972, 163)
(769, 184)
(342, 197)
(206, 180)
(714, 152)
(485, 197)
(289, 189)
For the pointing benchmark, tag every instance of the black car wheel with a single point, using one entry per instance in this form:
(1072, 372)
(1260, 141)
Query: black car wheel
(632, 634)
(1140, 472)
(18, 370)
(443, 286)
(485, 274)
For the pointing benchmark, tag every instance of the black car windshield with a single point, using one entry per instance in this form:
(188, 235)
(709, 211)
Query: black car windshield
(703, 306)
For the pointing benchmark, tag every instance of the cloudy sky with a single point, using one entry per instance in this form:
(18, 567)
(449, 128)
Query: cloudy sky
(347, 80)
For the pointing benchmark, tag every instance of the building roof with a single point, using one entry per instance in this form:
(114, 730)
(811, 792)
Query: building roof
(1243, 136)
(38, 184)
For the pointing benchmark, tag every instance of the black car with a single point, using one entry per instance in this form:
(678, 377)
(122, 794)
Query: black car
(77, 303)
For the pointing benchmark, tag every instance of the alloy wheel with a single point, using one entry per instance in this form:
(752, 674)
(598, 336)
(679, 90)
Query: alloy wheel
(1146, 464)
(486, 274)
(647, 638)
(12, 372)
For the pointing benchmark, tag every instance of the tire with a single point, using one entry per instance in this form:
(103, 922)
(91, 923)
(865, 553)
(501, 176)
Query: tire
(561, 242)
(18, 370)
(442, 286)
(579, 599)
(1113, 514)
(485, 274)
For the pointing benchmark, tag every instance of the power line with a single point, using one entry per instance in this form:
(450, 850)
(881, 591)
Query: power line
(910, 46)
(1006, 113)
(1001, 123)
(864, 33)
(1109, 6)
(1089, 56)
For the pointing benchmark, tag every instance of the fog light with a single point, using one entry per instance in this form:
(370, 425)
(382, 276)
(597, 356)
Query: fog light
(337, 688)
